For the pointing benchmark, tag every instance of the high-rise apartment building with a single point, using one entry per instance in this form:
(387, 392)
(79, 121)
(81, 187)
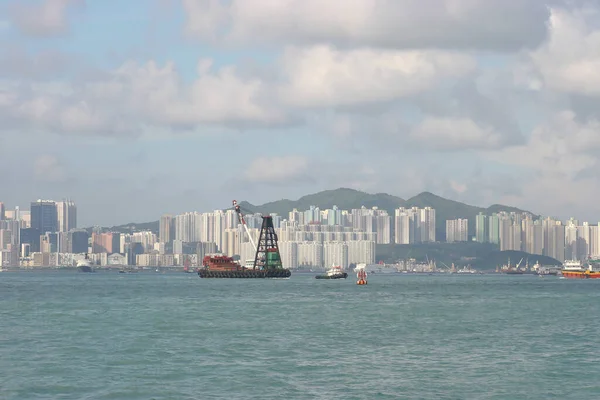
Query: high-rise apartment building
(166, 229)
(66, 213)
(494, 229)
(405, 224)
(427, 224)
(335, 253)
(571, 241)
(383, 224)
(481, 228)
(44, 217)
(533, 236)
(414, 225)
(106, 242)
(78, 241)
(556, 245)
(457, 230)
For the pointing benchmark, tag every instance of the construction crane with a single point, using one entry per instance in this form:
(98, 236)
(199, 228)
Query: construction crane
(236, 206)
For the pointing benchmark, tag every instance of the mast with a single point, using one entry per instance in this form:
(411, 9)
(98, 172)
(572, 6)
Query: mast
(57, 248)
(267, 253)
(243, 222)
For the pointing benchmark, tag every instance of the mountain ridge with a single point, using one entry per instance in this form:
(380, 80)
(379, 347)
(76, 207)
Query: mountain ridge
(347, 199)
(445, 208)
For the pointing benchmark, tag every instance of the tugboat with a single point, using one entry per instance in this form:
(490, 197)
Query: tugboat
(335, 272)
(362, 277)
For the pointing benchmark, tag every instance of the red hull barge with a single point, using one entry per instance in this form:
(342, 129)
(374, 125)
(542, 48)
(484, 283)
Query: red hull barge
(581, 274)
(226, 267)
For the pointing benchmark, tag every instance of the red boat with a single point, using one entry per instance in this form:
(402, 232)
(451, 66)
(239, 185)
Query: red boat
(221, 263)
(219, 266)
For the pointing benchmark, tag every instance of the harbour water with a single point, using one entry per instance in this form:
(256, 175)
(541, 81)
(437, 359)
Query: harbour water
(69, 335)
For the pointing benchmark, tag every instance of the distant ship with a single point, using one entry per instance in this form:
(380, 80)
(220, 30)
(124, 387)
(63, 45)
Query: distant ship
(577, 270)
(467, 270)
(542, 270)
(84, 265)
(517, 269)
(376, 268)
(335, 272)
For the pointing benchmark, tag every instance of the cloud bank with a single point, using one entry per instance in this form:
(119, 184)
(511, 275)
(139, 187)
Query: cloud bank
(480, 101)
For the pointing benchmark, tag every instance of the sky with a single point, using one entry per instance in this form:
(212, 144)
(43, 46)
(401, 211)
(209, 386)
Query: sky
(142, 107)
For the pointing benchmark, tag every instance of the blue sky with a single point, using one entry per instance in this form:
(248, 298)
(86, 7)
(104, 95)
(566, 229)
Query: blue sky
(138, 108)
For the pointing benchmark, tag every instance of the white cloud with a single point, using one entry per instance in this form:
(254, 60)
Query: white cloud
(570, 60)
(561, 148)
(134, 94)
(490, 24)
(559, 166)
(43, 18)
(387, 84)
(48, 169)
(219, 96)
(321, 76)
(277, 170)
(124, 99)
(455, 134)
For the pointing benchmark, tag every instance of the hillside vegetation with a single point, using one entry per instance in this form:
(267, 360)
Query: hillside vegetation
(482, 256)
(347, 199)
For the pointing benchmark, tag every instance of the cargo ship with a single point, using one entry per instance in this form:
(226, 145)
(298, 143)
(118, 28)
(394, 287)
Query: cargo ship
(576, 270)
(335, 272)
(267, 260)
(517, 269)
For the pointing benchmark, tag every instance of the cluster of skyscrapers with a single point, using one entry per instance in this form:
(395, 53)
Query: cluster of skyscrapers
(547, 236)
(311, 238)
(47, 235)
(48, 226)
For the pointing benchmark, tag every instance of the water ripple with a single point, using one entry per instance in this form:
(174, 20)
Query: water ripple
(175, 336)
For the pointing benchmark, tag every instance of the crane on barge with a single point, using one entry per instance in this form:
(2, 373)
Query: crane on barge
(267, 256)
(266, 263)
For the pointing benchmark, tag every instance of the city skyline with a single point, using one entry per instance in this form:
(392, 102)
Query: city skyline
(47, 235)
(563, 216)
(191, 103)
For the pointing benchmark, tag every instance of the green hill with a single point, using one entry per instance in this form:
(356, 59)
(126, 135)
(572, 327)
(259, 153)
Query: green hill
(347, 199)
(343, 198)
(449, 209)
(461, 253)
(482, 256)
(131, 227)
(498, 258)
(445, 209)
